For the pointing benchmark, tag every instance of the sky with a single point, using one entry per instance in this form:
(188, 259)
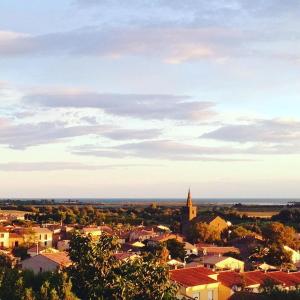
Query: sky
(144, 99)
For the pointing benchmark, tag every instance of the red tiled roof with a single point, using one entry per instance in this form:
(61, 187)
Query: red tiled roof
(217, 250)
(257, 276)
(61, 258)
(192, 276)
(285, 278)
(296, 274)
(231, 278)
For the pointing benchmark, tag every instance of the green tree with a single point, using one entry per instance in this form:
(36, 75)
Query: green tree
(97, 274)
(277, 255)
(47, 292)
(5, 261)
(28, 294)
(64, 287)
(275, 232)
(11, 284)
(240, 232)
(176, 249)
(144, 279)
(202, 232)
(93, 263)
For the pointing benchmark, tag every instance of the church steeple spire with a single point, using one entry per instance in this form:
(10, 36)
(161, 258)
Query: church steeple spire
(189, 213)
(189, 199)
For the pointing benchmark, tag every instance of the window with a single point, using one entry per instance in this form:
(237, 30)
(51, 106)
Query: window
(210, 295)
(45, 236)
(45, 243)
(40, 237)
(2, 235)
(2, 244)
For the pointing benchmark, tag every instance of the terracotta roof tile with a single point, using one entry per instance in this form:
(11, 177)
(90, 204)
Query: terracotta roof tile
(192, 276)
(61, 258)
(231, 278)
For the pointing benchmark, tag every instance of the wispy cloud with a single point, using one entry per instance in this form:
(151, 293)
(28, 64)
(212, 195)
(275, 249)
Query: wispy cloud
(21, 136)
(132, 134)
(265, 131)
(161, 149)
(24, 135)
(59, 166)
(141, 106)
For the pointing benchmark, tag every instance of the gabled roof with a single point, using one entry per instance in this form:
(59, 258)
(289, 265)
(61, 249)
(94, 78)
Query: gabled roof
(192, 276)
(61, 258)
(217, 250)
(41, 230)
(286, 279)
(231, 278)
(258, 276)
(212, 260)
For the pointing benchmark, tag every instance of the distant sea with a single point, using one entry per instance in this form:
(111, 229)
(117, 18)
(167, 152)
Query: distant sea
(123, 201)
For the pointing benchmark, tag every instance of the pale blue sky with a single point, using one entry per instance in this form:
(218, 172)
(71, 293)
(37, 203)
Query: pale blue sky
(112, 98)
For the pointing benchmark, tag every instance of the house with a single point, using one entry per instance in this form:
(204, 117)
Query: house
(40, 235)
(232, 282)
(208, 249)
(295, 255)
(251, 282)
(44, 262)
(175, 264)
(15, 239)
(223, 263)
(190, 249)
(141, 235)
(4, 238)
(196, 283)
(94, 232)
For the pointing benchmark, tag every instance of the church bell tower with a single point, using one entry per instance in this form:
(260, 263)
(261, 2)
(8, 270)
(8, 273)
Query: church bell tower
(191, 211)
